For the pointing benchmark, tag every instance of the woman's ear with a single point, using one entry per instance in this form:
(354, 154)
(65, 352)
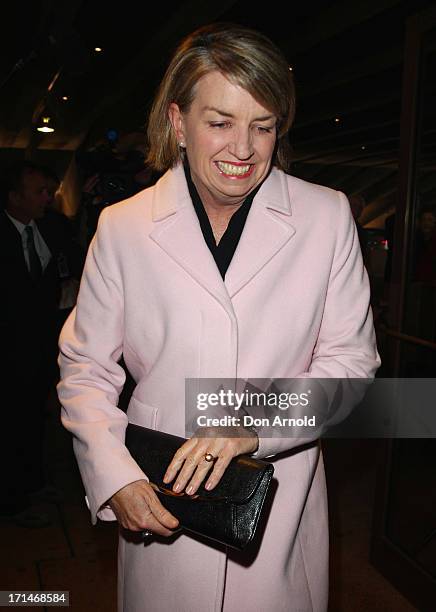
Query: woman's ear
(175, 116)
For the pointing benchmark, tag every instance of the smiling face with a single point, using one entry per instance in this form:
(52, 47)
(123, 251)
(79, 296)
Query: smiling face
(229, 140)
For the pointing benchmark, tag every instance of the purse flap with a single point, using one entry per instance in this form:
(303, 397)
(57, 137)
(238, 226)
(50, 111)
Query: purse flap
(153, 451)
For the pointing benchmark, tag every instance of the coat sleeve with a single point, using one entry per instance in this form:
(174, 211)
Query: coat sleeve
(346, 345)
(92, 379)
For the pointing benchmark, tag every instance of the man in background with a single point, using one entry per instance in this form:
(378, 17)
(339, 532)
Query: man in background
(31, 248)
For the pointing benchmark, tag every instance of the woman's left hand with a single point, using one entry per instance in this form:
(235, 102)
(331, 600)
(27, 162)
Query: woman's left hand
(190, 463)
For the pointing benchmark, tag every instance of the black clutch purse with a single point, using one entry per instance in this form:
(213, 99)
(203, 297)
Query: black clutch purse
(229, 513)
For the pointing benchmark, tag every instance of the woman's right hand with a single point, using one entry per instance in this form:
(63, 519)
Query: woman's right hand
(137, 507)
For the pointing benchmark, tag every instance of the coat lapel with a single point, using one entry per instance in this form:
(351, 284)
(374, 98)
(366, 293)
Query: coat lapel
(266, 231)
(177, 231)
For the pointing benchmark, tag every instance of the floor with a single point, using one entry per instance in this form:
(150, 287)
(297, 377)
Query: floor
(72, 555)
(354, 583)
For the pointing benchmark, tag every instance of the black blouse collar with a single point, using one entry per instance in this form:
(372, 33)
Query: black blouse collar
(223, 251)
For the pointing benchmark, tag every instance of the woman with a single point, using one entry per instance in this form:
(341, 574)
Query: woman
(227, 267)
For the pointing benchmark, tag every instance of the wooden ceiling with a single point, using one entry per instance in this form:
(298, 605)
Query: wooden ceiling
(347, 58)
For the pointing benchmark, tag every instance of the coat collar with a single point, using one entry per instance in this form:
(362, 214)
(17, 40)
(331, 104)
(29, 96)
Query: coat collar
(171, 193)
(177, 231)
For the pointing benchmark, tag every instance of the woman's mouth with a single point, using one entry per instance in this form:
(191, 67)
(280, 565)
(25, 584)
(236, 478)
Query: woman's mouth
(234, 170)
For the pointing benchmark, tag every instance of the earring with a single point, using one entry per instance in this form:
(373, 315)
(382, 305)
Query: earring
(182, 145)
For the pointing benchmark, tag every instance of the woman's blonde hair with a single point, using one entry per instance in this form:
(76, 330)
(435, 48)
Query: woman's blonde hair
(244, 56)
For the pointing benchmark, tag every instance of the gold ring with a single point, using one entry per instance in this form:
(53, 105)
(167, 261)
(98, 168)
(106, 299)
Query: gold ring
(209, 457)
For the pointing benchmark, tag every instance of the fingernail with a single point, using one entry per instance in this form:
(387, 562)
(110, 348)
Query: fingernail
(190, 490)
(176, 487)
(208, 485)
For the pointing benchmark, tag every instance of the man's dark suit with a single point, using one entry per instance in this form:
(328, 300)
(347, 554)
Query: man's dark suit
(29, 323)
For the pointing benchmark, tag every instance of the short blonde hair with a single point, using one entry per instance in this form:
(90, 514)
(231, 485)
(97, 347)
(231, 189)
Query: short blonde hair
(244, 56)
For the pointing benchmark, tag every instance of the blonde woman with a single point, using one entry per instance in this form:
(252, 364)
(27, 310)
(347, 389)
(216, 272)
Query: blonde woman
(227, 267)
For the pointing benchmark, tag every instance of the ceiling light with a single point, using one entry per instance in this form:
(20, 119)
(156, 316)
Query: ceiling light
(44, 125)
(337, 119)
(98, 49)
(64, 98)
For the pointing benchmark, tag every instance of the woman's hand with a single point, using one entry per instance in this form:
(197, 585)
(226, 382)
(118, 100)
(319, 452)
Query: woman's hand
(137, 508)
(190, 460)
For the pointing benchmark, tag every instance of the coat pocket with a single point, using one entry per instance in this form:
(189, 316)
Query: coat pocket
(141, 414)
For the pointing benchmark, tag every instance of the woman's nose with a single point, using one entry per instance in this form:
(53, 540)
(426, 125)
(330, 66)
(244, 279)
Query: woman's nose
(241, 145)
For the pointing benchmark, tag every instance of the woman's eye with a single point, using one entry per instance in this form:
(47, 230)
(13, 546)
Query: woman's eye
(219, 124)
(264, 130)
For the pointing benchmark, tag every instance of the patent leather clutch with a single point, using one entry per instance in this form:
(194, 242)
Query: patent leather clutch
(228, 514)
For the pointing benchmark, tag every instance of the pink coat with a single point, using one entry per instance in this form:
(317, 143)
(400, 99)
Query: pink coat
(295, 301)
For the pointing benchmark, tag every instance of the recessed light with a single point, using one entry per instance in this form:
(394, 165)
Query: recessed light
(44, 126)
(98, 49)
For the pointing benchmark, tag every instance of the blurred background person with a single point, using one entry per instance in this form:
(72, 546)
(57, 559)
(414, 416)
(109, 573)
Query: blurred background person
(424, 261)
(113, 170)
(32, 245)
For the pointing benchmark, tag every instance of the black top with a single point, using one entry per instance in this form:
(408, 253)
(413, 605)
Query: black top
(225, 249)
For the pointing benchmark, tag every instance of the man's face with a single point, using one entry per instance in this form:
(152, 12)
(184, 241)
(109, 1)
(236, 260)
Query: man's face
(427, 223)
(30, 200)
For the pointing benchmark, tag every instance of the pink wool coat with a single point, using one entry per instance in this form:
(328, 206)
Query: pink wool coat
(295, 302)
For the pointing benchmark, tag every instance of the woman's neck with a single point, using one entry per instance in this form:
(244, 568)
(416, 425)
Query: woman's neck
(218, 213)
(219, 216)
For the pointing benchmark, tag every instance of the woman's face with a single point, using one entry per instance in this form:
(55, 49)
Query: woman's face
(229, 139)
